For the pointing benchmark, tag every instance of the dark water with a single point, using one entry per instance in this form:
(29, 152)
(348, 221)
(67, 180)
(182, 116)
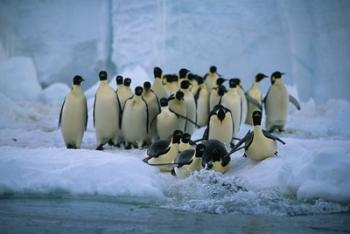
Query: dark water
(73, 215)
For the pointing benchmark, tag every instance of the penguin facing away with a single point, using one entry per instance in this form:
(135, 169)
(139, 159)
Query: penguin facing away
(276, 103)
(189, 161)
(190, 106)
(135, 120)
(106, 113)
(153, 109)
(202, 102)
(177, 105)
(157, 85)
(74, 115)
(258, 144)
(254, 97)
(166, 121)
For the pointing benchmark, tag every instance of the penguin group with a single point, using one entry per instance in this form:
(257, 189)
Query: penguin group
(162, 116)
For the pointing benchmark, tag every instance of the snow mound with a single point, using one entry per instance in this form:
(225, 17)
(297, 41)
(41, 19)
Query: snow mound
(55, 93)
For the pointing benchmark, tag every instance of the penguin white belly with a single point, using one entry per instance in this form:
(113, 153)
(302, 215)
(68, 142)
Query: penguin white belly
(191, 113)
(169, 157)
(106, 116)
(233, 103)
(73, 119)
(221, 131)
(179, 108)
(213, 100)
(218, 167)
(203, 108)
(135, 122)
(244, 106)
(166, 124)
(261, 148)
(255, 94)
(276, 107)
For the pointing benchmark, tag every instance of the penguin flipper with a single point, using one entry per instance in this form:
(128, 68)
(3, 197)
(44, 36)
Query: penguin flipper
(86, 114)
(270, 136)
(60, 118)
(120, 111)
(185, 157)
(196, 96)
(253, 101)
(294, 101)
(147, 116)
(247, 139)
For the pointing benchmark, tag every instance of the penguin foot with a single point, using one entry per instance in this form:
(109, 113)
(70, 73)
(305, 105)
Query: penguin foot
(69, 146)
(244, 155)
(110, 142)
(100, 147)
(173, 172)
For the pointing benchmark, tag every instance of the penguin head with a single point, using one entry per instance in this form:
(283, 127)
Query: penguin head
(221, 90)
(157, 72)
(260, 76)
(119, 80)
(200, 148)
(138, 91)
(234, 82)
(220, 81)
(102, 75)
(183, 72)
(163, 102)
(177, 134)
(186, 137)
(191, 76)
(127, 82)
(146, 85)
(256, 118)
(277, 75)
(212, 69)
(179, 95)
(199, 80)
(77, 80)
(185, 84)
(221, 113)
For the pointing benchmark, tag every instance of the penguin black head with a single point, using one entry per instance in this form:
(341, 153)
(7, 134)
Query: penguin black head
(234, 82)
(179, 95)
(221, 113)
(186, 137)
(127, 82)
(185, 84)
(183, 72)
(220, 81)
(199, 80)
(256, 118)
(163, 102)
(138, 91)
(221, 90)
(212, 69)
(77, 80)
(119, 80)
(157, 72)
(260, 76)
(277, 75)
(102, 75)
(191, 76)
(200, 150)
(146, 85)
(177, 134)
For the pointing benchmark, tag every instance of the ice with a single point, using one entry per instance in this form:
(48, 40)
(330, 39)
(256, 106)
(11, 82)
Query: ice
(55, 93)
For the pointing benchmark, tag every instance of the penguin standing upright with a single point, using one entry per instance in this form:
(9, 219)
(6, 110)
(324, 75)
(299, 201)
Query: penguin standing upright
(189, 161)
(211, 77)
(73, 116)
(254, 98)
(153, 109)
(232, 101)
(166, 121)
(177, 105)
(106, 113)
(258, 144)
(190, 106)
(216, 95)
(202, 102)
(244, 102)
(157, 85)
(194, 83)
(135, 120)
(220, 125)
(183, 74)
(276, 103)
(119, 81)
(171, 83)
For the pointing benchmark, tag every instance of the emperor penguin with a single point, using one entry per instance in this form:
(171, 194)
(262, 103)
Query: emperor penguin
(171, 83)
(254, 98)
(125, 92)
(153, 110)
(215, 156)
(258, 144)
(232, 101)
(194, 83)
(163, 152)
(119, 81)
(216, 95)
(185, 142)
(244, 102)
(183, 74)
(135, 120)
(202, 102)
(211, 77)
(189, 161)
(276, 103)
(157, 85)
(74, 115)
(220, 125)
(177, 105)
(190, 106)
(106, 113)
(166, 121)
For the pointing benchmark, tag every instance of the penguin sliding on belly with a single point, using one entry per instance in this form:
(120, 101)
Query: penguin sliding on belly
(215, 156)
(258, 144)
(276, 103)
(74, 115)
(135, 120)
(106, 113)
